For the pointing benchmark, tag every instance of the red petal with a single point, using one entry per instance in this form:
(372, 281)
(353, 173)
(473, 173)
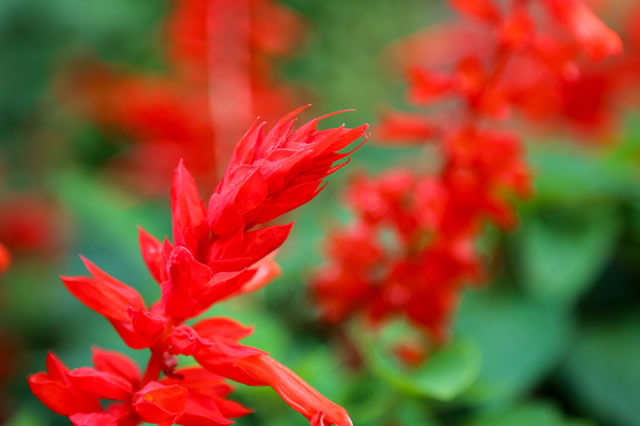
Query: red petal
(412, 128)
(288, 199)
(94, 419)
(56, 369)
(60, 398)
(202, 412)
(151, 250)
(485, 10)
(597, 39)
(223, 350)
(223, 216)
(149, 324)
(188, 211)
(102, 384)
(116, 363)
(104, 294)
(157, 403)
(427, 86)
(230, 408)
(130, 337)
(244, 249)
(244, 153)
(266, 271)
(295, 391)
(222, 327)
(228, 370)
(184, 340)
(187, 278)
(198, 380)
(224, 285)
(251, 192)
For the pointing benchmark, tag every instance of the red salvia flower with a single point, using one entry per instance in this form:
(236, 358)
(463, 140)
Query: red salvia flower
(217, 252)
(412, 246)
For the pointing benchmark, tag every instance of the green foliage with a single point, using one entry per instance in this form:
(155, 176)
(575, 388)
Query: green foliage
(527, 414)
(447, 373)
(561, 254)
(519, 341)
(602, 370)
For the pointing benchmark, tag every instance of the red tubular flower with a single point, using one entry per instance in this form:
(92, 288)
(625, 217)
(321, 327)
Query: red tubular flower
(295, 391)
(217, 253)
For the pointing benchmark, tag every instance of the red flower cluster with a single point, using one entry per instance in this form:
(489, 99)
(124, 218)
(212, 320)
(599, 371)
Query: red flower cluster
(532, 66)
(220, 78)
(413, 245)
(217, 252)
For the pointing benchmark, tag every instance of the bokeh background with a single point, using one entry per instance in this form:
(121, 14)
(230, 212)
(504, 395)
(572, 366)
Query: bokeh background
(551, 338)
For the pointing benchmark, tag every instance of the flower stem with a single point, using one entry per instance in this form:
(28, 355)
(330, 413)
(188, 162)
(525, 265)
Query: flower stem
(154, 367)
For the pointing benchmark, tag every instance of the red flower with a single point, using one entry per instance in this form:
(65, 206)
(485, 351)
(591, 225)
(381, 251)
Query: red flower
(216, 253)
(594, 36)
(217, 50)
(485, 10)
(411, 248)
(29, 225)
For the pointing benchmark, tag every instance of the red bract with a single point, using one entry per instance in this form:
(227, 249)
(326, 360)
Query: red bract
(220, 77)
(412, 247)
(217, 253)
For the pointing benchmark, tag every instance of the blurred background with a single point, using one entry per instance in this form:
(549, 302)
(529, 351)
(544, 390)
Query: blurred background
(97, 103)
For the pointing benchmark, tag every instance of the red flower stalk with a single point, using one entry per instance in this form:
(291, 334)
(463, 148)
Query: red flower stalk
(411, 249)
(217, 252)
(220, 77)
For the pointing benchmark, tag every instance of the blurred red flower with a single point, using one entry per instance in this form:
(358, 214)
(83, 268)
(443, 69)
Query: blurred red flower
(413, 244)
(220, 78)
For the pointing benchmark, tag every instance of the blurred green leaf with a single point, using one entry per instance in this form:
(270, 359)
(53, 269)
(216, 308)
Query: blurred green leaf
(527, 414)
(519, 341)
(569, 174)
(446, 373)
(603, 370)
(26, 415)
(560, 257)
(111, 216)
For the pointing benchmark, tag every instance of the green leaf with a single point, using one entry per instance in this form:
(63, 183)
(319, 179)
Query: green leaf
(446, 374)
(527, 414)
(519, 340)
(26, 415)
(111, 216)
(603, 370)
(566, 174)
(561, 254)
